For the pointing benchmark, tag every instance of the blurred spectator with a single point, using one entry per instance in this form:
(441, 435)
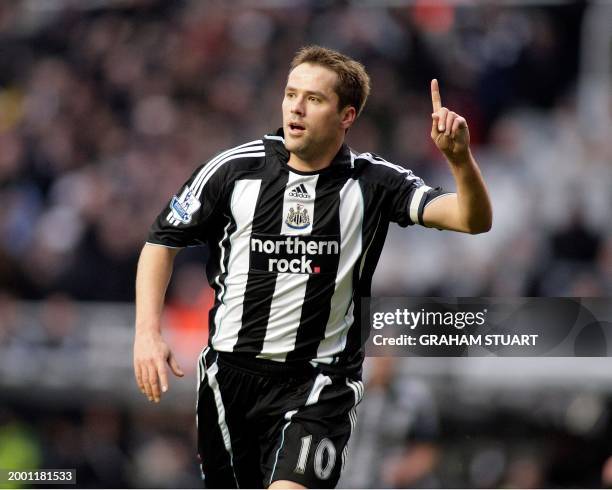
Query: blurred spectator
(395, 442)
(101, 439)
(163, 463)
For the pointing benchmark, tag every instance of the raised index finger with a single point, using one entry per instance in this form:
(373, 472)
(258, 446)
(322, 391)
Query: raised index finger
(436, 101)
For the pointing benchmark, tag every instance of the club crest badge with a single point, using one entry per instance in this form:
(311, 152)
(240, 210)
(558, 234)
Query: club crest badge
(298, 219)
(185, 206)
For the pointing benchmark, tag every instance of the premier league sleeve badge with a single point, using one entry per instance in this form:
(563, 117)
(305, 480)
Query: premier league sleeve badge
(184, 207)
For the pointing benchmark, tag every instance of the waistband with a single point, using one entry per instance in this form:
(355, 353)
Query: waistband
(267, 367)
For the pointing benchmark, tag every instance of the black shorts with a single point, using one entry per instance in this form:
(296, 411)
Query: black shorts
(261, 421)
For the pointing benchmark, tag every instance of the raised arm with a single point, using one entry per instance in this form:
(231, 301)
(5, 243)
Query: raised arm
(151, 353)
(469, 209)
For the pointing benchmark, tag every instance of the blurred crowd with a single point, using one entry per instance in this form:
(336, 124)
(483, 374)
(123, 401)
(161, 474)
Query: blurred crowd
(107, 446)
(104, 112)
(106, 107)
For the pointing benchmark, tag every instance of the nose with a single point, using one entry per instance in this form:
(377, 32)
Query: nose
(297, 107)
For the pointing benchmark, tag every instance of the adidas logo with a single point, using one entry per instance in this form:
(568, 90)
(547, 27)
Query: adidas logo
(299, 191)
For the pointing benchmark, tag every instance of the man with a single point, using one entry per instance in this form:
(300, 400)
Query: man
(395, 443)
(295, 223)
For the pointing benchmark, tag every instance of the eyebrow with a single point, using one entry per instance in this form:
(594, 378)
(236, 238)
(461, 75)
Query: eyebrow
(308, 92)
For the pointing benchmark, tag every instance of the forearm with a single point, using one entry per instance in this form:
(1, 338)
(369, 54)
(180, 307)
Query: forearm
(474, 205)
(152, 278)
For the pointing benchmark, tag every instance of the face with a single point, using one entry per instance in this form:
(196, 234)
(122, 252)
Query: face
(312, 121)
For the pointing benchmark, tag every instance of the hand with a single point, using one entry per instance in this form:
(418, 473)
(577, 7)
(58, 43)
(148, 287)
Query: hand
(151, 354)
(449, 130)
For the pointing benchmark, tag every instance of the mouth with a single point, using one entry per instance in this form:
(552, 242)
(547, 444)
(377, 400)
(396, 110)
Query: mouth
(296, 128)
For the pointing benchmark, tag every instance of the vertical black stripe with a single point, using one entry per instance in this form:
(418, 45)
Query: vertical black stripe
(320, 287)
(260, 285)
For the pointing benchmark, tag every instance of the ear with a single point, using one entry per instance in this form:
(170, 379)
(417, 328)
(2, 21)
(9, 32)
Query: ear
(347, 117)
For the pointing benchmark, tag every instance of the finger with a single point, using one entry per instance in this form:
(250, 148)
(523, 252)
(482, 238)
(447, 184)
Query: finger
(458, 123)
(144, 373)
(436, 101)
(174, 366)
(138, 376)
(442, 114)
(162, 375)
(154, 382)
(450, 119)
(434, 124)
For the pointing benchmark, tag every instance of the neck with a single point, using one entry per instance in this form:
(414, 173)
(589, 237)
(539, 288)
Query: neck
(319, 162)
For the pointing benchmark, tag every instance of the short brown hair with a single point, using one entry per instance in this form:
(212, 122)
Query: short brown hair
(353, 85)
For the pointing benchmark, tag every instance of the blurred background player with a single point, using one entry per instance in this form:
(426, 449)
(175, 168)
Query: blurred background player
(395, 443)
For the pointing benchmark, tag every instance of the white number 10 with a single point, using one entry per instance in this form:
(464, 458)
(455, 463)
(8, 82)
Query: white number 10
(324, 446)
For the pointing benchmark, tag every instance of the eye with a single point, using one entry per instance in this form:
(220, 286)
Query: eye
(290, 95)
(314, 99)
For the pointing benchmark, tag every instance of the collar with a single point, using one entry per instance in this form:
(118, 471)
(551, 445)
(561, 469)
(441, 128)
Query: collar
(344, 158)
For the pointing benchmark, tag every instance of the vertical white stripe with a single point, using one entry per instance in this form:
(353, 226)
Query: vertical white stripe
(290, 288)
(352, 415)
(292, 202)
(415, 202)
(211, 373)
(228, 318)
(351, 224)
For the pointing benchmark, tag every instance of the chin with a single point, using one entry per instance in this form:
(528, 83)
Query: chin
(290, 145)
(293, 146)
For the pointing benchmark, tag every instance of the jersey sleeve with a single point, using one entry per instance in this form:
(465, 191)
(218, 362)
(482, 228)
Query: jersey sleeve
(408, 194)
(186, 218)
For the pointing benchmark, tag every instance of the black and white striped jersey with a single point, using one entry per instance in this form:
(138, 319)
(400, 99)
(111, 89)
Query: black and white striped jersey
(291, 253)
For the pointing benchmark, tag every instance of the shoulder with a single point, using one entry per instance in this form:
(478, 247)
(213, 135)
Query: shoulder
(253, 151)
(242, 157)
(375, 169)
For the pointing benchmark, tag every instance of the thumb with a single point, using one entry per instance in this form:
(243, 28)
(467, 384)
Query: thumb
(174, 365)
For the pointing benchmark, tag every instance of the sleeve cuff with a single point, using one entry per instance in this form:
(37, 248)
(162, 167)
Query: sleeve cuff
(149, 242)
(417, 204)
